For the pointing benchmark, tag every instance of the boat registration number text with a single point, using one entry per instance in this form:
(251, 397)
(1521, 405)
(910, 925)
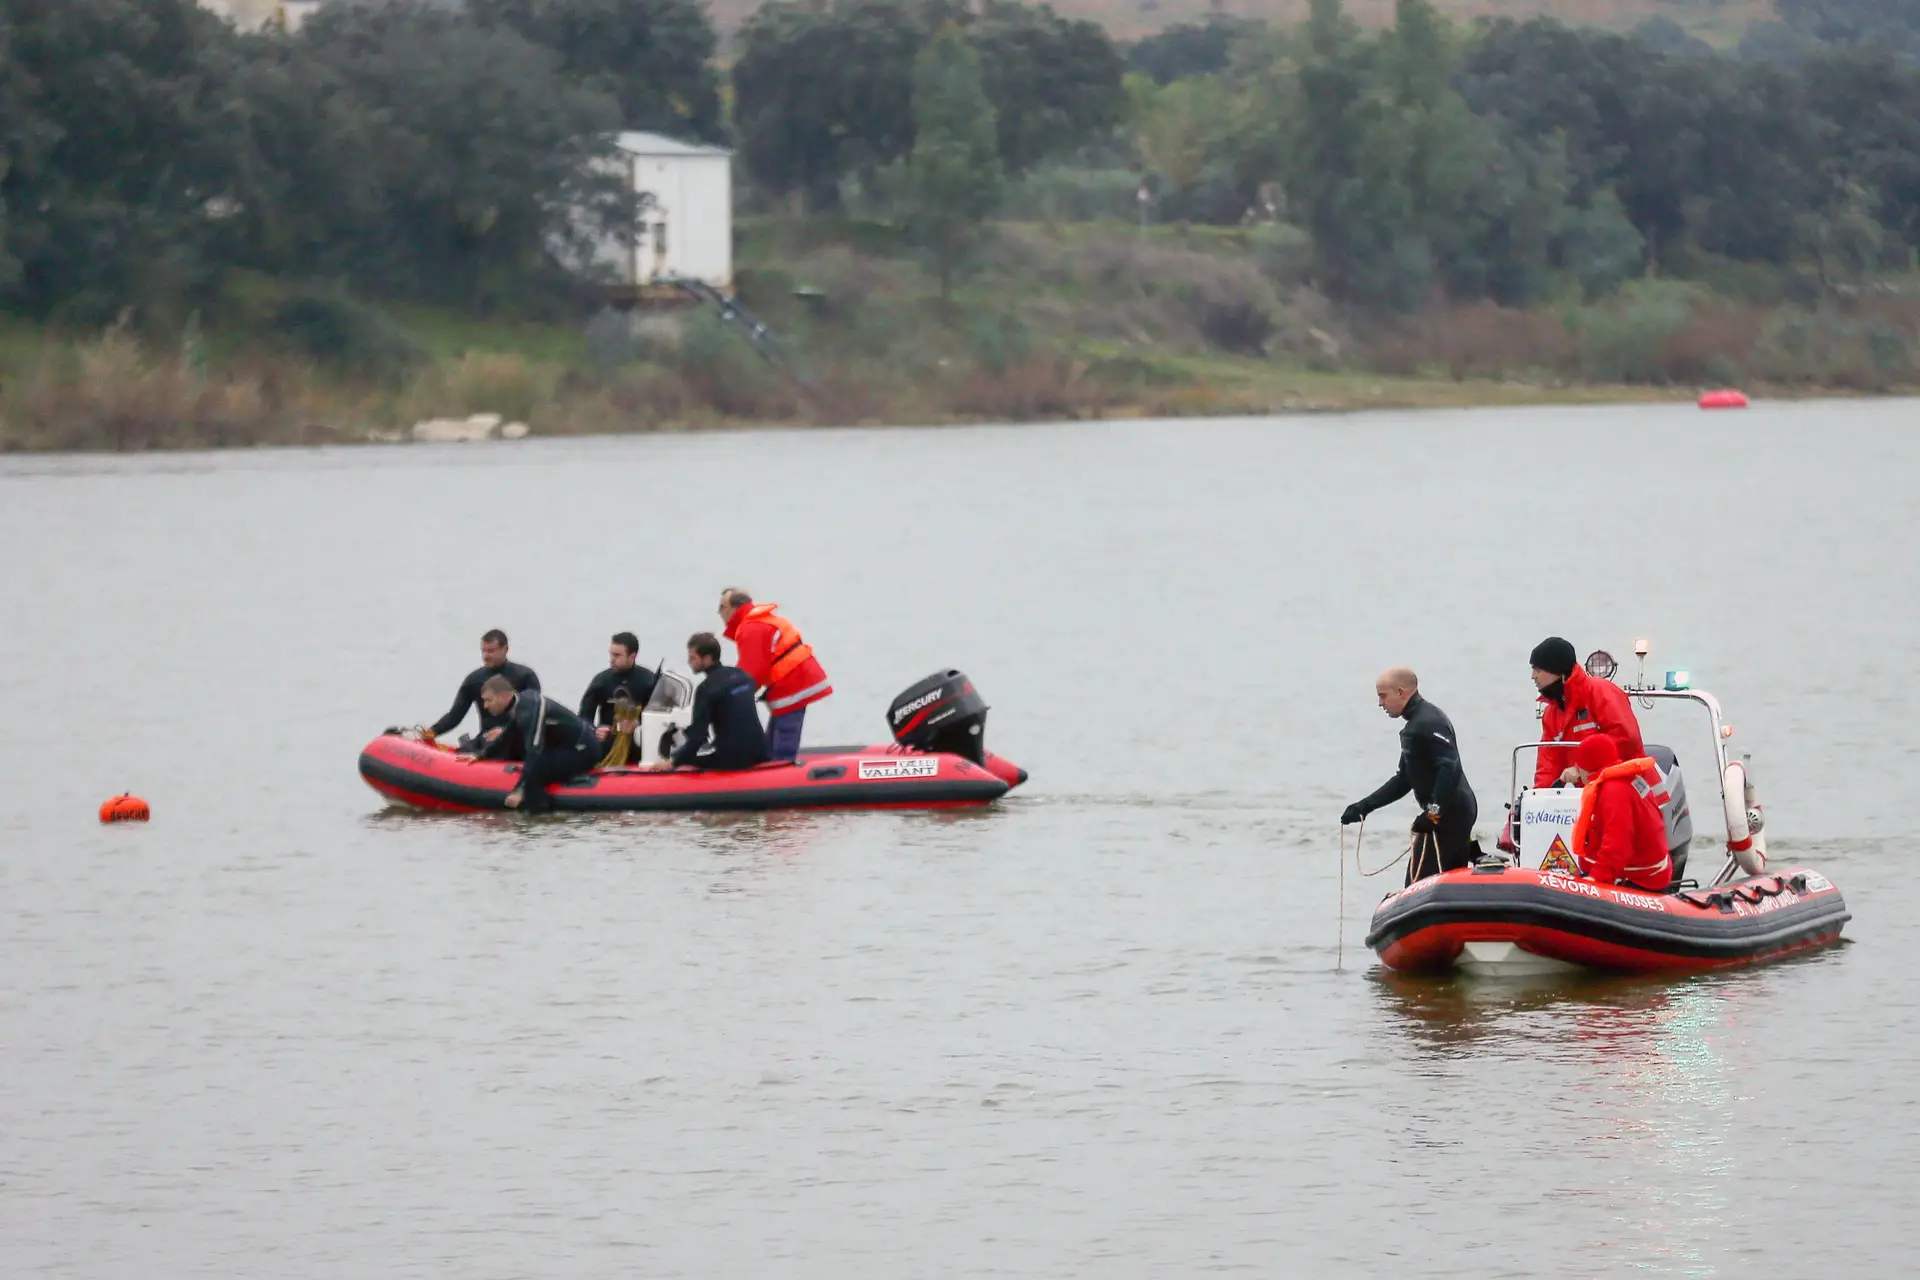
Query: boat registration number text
(871, 770)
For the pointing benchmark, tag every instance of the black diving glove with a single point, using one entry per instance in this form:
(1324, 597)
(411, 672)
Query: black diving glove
(1353, 813)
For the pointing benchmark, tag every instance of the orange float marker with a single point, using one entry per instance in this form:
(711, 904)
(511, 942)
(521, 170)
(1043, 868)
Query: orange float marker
(1725, 399)
(125, 808)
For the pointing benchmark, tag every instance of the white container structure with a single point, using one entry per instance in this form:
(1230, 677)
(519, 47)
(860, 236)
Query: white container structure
(686, 218)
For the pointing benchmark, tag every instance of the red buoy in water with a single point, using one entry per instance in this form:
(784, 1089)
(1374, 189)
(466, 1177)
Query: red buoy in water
(125, 808)
(1728, 399)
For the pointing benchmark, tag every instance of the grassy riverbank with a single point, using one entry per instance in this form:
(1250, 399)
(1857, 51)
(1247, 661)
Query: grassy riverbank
(1053, 321)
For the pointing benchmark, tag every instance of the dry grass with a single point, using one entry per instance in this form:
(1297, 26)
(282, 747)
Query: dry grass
(112, 393)
(1078, 323)
(1479, 340)
(1045, 386)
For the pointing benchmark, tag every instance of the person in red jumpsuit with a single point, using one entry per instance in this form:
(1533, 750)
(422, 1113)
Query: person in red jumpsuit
(780, 662)
(1620, 835)
(1577, 707)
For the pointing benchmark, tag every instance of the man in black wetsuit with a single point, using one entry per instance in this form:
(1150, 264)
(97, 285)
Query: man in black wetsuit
(1430, 768)
(623, 675)
(555, 743)
(493, 662)
(725, 732)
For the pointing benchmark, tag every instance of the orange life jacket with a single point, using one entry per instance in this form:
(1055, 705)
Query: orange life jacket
(789, 648)
(1646, 779)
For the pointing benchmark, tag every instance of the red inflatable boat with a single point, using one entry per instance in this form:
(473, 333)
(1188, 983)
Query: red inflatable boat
(938, 760)
(1505, 918)
(1532, 912)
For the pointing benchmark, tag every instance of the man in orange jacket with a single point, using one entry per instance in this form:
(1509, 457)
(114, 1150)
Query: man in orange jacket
(1620, 835)
(773, 654)
(1577, 707)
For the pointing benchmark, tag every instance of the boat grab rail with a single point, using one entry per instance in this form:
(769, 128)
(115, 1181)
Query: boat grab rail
(1753, 893)
(1648, 697)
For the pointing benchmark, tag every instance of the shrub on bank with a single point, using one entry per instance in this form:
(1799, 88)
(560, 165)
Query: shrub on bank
(344, 336)
(1623, 338)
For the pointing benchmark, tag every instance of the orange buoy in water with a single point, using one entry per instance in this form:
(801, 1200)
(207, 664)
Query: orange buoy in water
(125, 808)
(1728, 399)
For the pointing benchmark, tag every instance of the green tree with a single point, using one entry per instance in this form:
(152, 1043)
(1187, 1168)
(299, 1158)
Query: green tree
(654, 57)
(1342, 167)
(1054, 82)
(825, 87)
(1191, 48)
(110, 152)
(954, 176)
(482, 153)
(1174, 126)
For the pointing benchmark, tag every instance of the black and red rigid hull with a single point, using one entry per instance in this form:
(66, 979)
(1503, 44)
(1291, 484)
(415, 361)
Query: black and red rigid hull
(429, 776)
(1430, 924)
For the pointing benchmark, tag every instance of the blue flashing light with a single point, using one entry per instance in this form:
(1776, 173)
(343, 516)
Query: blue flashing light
(1678, 680)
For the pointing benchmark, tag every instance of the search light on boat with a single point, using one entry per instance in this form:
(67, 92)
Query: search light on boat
(1678, 680)
(1600, 665)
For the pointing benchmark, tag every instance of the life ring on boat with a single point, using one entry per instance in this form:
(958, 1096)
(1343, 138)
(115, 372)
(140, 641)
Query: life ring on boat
(1742, 840)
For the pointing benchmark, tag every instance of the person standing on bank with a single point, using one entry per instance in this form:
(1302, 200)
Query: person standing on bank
(725, 730)
(1430, 768)
(623, 675)
(493, 662)
(776, 658)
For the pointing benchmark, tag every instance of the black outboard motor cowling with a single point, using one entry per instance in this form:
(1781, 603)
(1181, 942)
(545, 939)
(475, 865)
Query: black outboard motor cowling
(944, 712)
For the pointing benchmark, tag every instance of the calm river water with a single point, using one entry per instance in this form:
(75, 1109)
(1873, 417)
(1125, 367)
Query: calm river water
(1094, 1031)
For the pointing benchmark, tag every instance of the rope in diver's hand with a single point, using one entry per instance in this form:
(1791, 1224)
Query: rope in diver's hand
(1340, 914)
(1360, 831)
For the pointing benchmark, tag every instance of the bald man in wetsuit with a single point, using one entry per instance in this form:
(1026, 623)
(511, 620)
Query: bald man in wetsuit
(1430, 768)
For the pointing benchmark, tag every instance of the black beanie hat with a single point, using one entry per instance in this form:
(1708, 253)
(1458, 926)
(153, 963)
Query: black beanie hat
(1555, 656)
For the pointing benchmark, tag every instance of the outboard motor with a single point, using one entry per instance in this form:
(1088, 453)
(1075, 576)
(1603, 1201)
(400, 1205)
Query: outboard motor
(944, 712)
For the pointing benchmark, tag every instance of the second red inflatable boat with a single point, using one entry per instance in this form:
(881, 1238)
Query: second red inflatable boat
(937, 760)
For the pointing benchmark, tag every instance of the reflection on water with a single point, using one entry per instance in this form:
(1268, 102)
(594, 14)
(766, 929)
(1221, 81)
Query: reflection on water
(1449, 1016)
(1647, 1076)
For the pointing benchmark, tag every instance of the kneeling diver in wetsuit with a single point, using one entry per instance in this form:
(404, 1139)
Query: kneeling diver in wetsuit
(493, 663)
(555, 743)
(725, 731)
(1430, 768)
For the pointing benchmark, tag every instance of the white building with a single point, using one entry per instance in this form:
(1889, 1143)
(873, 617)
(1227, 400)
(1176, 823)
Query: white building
(686, 220)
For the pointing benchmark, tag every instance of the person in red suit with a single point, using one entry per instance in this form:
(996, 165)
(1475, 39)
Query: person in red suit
(780, 661)
(1620, 835)
(1577, 706)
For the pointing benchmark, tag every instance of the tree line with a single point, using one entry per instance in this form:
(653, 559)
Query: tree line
(1492, 161)
(149, 152)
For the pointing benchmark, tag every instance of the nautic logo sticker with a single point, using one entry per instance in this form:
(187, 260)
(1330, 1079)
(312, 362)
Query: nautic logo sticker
(910, 767)
(1560, 858)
